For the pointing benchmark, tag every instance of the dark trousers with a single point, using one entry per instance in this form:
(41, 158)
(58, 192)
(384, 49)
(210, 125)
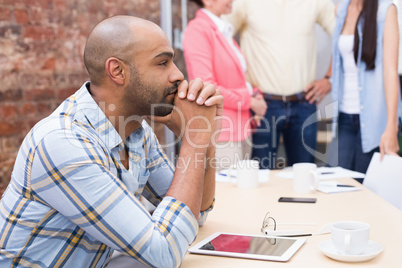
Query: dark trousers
(297, 122)
(400, 83)
(350, 151)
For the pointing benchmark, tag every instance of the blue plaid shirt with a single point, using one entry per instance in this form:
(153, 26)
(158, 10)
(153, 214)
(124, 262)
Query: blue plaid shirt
(71, 202)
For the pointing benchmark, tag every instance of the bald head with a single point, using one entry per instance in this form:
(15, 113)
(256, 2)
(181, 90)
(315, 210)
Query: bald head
(118, 37)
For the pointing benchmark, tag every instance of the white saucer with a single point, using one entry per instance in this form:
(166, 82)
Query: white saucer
(372, 250)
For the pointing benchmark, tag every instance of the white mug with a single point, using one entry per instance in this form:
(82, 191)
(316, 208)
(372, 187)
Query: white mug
(247, 174)
(350, 237)
(305, 178)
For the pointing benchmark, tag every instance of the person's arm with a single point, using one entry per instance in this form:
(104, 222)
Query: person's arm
(73, 175)
(199, 58)
(178, 120)
(389, 141)
(209, 181)
(327, 15)
(189, 177)
(259, 108)
(161, 172)
(316, 91)
(210, 171)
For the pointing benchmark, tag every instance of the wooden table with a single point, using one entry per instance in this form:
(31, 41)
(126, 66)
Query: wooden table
(242, 211)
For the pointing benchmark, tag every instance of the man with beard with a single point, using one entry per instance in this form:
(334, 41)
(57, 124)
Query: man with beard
(73, 195)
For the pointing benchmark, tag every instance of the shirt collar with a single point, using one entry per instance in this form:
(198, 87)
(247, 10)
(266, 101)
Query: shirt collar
(223, 26)
(88, 109)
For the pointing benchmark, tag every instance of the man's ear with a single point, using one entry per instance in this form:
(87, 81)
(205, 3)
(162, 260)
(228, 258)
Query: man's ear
(116, 70)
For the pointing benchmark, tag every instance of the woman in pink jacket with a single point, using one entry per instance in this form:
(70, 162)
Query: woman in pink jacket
(212, 54)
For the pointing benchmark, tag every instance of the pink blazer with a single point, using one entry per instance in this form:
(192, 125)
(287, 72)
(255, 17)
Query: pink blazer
(209, 56)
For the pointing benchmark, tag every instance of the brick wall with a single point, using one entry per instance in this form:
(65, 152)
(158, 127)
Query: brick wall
(41, 46)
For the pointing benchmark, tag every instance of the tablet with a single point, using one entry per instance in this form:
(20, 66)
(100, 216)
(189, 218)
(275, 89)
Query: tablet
(249, 246)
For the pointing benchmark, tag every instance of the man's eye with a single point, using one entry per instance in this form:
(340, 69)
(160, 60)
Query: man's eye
(163, 63)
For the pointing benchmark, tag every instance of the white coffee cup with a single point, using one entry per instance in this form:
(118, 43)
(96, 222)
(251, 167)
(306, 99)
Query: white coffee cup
(247, 174)
(350, 237)
(305, 178)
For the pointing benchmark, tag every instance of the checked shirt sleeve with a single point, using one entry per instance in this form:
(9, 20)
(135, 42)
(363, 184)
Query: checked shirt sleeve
(71, 174)
(161, 173)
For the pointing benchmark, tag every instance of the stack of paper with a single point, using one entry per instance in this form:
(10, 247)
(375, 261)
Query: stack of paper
(384, 177)
(229, 175)
(331, 187)
(326, 173)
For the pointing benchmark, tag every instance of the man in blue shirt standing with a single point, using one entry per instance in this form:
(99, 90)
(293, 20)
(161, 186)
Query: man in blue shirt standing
(73, 195)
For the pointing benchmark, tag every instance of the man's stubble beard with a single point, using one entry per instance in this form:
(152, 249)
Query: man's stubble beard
(145, 98)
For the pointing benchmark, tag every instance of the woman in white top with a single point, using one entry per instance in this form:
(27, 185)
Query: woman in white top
(365, 81)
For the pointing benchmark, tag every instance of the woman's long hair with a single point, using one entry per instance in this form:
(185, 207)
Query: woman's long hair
(369, 46)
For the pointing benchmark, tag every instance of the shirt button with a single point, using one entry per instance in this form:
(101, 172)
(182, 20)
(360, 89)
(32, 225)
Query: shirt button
(360, 88)
(362, 125)
(361, 107)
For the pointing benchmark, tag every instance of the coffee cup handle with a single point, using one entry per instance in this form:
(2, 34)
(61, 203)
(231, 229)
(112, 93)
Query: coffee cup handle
(347, 243)
(315, 180)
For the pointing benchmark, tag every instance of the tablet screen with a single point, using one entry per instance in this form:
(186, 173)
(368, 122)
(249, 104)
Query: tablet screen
(249, 244)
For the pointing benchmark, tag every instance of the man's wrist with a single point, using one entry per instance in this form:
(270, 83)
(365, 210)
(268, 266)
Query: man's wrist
(329, 78)
(197, 140)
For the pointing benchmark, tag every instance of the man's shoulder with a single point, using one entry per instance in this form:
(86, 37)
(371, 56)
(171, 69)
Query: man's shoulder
(200, 23)
(56, 130)
(326, 3)
(60, 125)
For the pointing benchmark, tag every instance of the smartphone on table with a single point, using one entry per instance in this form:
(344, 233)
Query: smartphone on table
(297, 200)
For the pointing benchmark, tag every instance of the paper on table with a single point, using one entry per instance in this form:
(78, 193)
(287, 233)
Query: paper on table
(384, 178)
(223, 175)
(326, 173)
(331, 187)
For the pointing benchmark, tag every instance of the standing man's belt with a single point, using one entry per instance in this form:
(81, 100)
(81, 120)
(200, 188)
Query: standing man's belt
(290, 98)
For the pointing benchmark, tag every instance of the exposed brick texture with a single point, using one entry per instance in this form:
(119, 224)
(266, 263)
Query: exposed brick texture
(41, 46)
